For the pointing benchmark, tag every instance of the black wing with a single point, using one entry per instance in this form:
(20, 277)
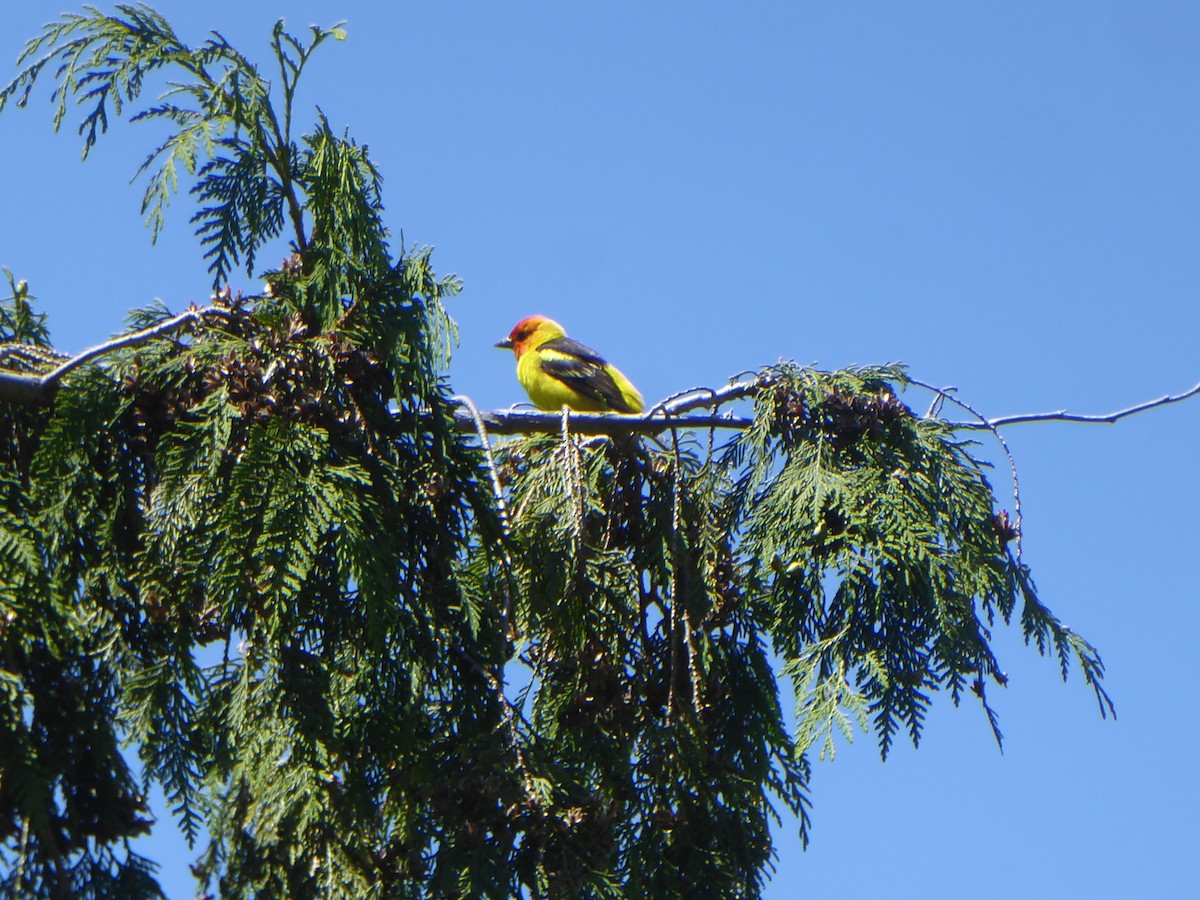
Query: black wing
(582, 368)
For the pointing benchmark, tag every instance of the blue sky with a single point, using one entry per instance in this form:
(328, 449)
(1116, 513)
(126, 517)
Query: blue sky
(1005, 196)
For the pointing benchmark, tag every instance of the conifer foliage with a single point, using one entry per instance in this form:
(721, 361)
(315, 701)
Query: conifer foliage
(250, 560)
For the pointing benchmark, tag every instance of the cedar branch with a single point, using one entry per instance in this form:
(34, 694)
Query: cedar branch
(668, 413)
(26, 388)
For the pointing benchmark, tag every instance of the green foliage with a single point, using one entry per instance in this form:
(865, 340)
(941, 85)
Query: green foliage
(253, 551)
(18, 322)
(251, 177)
(888, 561)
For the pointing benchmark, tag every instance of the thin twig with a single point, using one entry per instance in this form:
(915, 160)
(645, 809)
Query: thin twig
(994, 429)
(501, 510)
(939, 398)
(673, 623)
(497, 488)
(573, 480)
(1062, 415)
(677, 602)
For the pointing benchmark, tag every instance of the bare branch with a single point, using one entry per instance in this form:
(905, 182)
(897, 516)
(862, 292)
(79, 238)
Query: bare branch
(659, 418)
(25, 387)
(1062, 415)
(531, 421)
(707, 398)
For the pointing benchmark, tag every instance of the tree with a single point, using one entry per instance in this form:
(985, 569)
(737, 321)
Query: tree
(368, 653)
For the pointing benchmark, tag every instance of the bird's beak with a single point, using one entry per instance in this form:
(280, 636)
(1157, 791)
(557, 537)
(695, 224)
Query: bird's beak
(505, 344)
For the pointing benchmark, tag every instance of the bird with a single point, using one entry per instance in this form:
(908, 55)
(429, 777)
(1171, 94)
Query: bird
(557, 371)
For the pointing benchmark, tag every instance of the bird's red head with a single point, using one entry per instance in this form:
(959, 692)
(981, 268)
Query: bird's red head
(531, 332)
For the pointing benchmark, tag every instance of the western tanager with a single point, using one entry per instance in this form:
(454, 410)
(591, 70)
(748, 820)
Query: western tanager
(557, 371)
